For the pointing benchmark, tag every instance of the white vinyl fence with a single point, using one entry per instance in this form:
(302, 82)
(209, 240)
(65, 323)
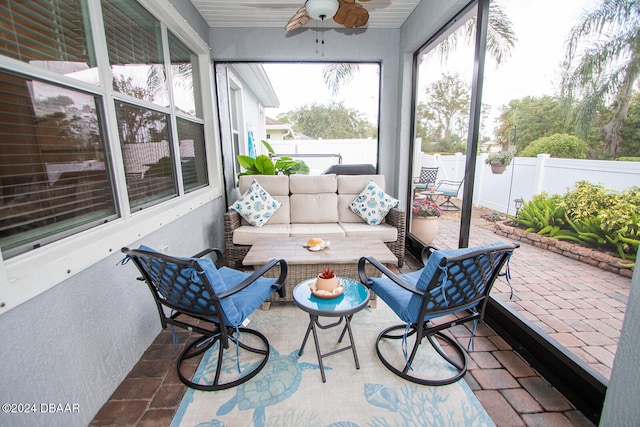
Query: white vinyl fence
(350, 151)
(528, 176)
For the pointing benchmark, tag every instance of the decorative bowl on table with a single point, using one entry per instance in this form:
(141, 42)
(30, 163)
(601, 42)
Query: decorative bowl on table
(316, 244)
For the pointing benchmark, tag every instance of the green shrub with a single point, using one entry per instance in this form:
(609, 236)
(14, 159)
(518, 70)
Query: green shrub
(587, 200)
(557, 145)
(590, 215)
(628, 159)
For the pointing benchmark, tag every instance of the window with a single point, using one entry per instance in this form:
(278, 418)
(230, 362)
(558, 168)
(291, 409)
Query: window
(54, 170)
(50, 34)
(57, 173)
(134, 41)
(147, 155)
(193, 160)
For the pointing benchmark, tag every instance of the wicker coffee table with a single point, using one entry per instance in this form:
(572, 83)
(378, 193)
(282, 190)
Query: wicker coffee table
(342, 256)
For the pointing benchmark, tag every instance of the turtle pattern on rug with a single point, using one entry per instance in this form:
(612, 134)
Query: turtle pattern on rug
(289, 391)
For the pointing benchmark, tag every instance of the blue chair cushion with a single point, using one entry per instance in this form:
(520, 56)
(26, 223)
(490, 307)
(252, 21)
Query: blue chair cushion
(192, 295)
(407, 305)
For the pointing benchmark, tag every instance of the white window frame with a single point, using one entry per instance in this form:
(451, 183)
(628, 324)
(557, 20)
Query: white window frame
(27, 275)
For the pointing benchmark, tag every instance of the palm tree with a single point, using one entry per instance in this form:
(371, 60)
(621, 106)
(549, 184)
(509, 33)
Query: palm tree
(602, 64)
(500, 40)
(500, 35)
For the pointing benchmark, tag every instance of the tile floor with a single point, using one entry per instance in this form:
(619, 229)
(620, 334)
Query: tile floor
(510, 390)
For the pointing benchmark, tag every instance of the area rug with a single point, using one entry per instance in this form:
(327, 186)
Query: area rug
(289, 390)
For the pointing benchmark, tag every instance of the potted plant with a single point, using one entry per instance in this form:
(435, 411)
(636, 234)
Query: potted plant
(424, 224)
(499, 161)
(264, 165)
(327, 280)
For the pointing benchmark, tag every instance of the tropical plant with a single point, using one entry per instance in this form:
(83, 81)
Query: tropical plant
(543, 215)
(500, 158)
(500, 40)
(426, 209)
(500, 35)
(557, 145)
(602, 64)
(589, 215)
(336, 75)
(264, 165)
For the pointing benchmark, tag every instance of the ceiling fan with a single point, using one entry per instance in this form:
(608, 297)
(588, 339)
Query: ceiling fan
(347, 13)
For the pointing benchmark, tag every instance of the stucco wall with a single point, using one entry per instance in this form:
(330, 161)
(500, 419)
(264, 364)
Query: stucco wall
(75, 343)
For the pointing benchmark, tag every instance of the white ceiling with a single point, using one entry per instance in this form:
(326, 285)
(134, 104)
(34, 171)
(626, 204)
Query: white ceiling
(269, 13)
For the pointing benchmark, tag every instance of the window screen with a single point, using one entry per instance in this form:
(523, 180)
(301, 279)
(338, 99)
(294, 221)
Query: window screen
(54, 170)
(193, 159)
(147, 154)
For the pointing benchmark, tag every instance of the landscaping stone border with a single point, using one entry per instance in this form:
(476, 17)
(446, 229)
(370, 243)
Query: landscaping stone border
(571, 250)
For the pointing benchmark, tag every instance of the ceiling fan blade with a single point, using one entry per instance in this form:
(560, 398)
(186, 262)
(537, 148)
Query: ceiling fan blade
(351, 14)
(299, 19)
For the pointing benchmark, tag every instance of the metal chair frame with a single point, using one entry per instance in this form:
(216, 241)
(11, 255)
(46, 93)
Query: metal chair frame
(428, 175)
(167, 275)
(447, 204)
(481, 268)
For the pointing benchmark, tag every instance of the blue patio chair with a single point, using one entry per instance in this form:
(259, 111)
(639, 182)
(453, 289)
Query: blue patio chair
(449, 189)
(452, 288)
(197, 295)
(428, 176)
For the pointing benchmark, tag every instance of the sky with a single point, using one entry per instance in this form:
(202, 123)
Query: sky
(532, 69)
(303, 84)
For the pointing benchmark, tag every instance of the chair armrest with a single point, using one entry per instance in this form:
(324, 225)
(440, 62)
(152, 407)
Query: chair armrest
(396, 218)
(384, 270)
(217, 252)
(426, 253)
(259, 273)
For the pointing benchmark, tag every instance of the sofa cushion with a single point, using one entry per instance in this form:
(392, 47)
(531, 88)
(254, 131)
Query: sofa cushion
(354, 184)
(256, 205)
(281, 216)
(345, 215)
(314, 208)
(349, 187)
(383, 232)
(324, 231)
(307, 184)
(275, 185)
(373, 204)
(247, 235)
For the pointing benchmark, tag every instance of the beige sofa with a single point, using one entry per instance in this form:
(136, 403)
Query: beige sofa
(312, 206)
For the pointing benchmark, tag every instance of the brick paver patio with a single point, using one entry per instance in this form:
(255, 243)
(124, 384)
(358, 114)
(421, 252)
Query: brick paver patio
(578, 305)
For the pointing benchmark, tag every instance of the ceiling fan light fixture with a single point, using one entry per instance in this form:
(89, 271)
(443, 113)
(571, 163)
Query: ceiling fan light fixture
(321, 9)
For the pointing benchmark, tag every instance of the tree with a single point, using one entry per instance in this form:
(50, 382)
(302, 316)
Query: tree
(444, 115)
(500, 40)
(338, 74)
(630, 130)
(333, 121)
(500, 35)
(527, 119)
(557, 145)
(602, 64)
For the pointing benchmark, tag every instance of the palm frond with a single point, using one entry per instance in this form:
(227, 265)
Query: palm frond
(337, 75)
